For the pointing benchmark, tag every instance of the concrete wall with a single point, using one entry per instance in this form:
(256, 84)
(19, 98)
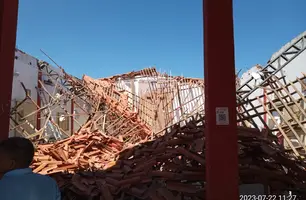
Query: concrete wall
(244, 78)
(297, 66)
(26, 71)
(188, 101)
(292, 70)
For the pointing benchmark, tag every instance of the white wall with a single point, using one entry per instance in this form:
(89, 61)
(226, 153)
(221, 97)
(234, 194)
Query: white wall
(192, 97)
(189, 101)
(244, 78)
(295, 68)
(26, 71)
(63, 107)
(292, 70)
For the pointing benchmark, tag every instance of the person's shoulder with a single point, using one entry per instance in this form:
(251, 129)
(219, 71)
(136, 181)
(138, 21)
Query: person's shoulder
(43, 178)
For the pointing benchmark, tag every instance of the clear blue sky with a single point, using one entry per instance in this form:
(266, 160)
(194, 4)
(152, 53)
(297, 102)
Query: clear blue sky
(106, 37)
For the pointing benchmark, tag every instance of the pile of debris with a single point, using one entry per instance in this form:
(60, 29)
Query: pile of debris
(119, 154)
(129, 136)
(169, 167)
(83, 151)
(89, 149)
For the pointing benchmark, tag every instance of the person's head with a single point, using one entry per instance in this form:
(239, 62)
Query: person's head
(15, 153)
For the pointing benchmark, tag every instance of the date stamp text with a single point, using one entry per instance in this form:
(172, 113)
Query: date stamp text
(267, 197)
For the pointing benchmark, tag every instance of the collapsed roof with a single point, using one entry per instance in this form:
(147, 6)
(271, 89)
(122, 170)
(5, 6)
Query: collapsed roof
(135, 109)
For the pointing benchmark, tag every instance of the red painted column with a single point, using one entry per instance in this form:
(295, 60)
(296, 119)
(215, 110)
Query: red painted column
(220, 101)
(8, 28)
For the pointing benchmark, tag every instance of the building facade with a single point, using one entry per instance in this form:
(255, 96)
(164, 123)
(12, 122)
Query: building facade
(286, 91)
(37, 104)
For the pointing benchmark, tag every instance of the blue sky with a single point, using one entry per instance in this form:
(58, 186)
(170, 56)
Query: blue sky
(106, 37)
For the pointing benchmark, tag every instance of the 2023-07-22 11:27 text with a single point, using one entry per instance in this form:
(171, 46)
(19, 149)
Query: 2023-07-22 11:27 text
(268, 197)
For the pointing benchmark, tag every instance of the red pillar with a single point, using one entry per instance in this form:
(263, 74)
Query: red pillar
(8, 28)
(220, 101)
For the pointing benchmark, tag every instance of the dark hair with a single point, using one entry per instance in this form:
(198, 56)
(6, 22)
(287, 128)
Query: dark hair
(19, 149)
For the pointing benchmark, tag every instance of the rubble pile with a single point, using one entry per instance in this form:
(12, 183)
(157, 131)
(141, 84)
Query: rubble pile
(89, 150)
(121, 120)
(140, 144)
(170, 167)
